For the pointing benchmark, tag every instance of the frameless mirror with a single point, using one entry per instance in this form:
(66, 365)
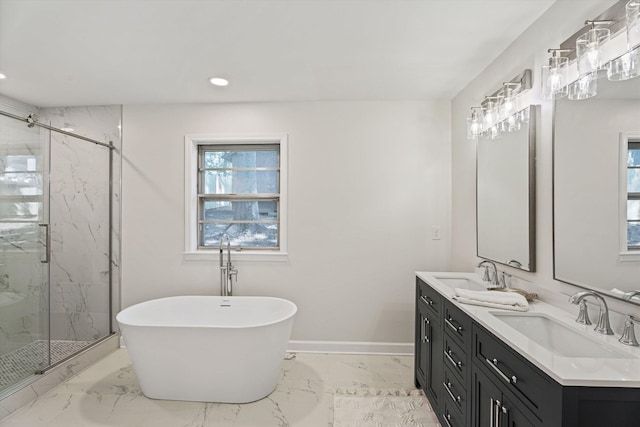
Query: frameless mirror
(506, 194)
(596, 186)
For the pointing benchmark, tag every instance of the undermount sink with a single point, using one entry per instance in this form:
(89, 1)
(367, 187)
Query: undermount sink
(558, 338)
(462, 283)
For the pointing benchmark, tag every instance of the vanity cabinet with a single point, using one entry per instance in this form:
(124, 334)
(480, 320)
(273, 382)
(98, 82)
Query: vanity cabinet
(429, 343)
(473, 378)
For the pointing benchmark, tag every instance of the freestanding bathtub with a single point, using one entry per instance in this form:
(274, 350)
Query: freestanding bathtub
(208, 348)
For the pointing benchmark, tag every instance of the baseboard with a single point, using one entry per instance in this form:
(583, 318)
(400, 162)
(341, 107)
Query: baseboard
(351, 347)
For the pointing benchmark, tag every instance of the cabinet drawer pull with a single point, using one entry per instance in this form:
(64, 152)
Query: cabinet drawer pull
(448, 354)
(494, 365)
(427, 300)
(447, 386)
(447, 417)
(450, 324)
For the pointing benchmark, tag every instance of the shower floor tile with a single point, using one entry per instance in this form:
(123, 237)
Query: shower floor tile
(108, 393)
(26, 360)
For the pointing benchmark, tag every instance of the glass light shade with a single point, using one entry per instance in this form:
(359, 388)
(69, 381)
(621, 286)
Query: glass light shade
(625, 67)
(474, 123)
(584, 88)
(509, 102)
(555, 78)
(490, 114)
(633, 23)
(589, 50)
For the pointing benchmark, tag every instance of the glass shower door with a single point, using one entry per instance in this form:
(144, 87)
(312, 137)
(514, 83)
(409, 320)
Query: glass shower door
(24, 269)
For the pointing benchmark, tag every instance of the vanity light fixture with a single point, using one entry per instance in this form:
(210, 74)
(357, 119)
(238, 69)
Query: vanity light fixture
(499, 111)
(509, 102)
(589, 47)
(584, 88)
(2, 76)
(474, 123)
(627, 66)
(555, 75)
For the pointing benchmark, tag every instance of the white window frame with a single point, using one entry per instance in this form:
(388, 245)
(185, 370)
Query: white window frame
(191, 145)
(625, 255)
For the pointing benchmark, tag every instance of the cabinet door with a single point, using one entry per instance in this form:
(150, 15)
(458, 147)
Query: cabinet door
(515, 415)
(421, 347)
(435, 366)
(487, 398)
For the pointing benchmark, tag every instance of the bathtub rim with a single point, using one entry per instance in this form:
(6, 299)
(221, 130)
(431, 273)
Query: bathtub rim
(293, 306)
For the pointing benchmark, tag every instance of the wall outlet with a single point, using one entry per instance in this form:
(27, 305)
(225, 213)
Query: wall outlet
(435, 232)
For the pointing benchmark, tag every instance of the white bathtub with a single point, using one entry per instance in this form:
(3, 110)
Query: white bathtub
(208, 348)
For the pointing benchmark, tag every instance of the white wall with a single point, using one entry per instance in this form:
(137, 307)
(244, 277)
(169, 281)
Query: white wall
(562, 20)
(367, 181)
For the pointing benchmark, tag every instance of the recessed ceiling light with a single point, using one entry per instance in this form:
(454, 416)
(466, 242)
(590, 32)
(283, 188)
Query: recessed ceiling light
(2, 76)
(218, 81)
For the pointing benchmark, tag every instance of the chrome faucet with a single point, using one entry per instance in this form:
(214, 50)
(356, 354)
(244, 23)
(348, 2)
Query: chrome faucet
(227, 270)
(602, 327)
(493, 279)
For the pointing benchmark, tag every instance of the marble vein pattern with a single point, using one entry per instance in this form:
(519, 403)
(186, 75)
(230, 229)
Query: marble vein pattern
(107, 394)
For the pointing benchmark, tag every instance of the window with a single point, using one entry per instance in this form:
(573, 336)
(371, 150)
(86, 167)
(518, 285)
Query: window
(236, 188)
(633, 194)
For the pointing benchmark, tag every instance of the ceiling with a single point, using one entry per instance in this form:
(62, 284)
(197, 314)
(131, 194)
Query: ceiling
(95, 52)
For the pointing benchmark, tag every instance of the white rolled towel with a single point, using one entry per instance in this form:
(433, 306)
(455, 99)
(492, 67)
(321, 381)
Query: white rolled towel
(494, 299)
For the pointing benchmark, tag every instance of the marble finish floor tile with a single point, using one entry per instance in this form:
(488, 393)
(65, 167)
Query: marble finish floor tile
(108, 394)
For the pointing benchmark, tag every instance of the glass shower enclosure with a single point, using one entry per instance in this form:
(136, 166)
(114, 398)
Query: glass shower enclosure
(55, 247)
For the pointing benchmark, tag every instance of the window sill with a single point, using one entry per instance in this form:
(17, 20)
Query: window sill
(630, 256)
(245, 255)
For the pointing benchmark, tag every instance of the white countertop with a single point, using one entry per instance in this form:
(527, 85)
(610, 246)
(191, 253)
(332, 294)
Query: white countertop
(568, 371)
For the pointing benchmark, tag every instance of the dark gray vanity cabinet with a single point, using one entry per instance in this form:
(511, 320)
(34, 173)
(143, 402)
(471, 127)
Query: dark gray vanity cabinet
(429, 343)
(472, 378)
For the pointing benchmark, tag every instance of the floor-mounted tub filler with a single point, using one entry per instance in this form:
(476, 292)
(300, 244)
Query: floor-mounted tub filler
(208, 348)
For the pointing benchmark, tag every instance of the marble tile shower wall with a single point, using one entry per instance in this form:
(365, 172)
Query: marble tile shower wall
(79, 217)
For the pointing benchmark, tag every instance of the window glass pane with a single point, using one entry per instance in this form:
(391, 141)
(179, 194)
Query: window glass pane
(633, 234)
(633, 180)
(633, 209)
(241, 235)
(633, 158)
(240, 210)
(241, 159)
(240, 182)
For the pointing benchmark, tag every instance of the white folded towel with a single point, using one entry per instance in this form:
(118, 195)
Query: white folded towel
(494, 299)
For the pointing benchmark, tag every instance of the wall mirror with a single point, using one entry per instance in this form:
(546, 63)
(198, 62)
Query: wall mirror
(505, 195)
(596, 173)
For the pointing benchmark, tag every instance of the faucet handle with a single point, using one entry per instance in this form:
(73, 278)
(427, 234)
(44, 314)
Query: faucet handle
(583, 314)
(486, 277)
(628, 335)
(503, 279)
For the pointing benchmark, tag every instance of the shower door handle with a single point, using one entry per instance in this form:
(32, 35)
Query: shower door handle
(47, 244)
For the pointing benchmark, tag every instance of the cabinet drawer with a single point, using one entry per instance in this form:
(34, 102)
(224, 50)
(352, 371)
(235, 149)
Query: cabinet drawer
(506, 367)
(455, 392)
(455, 358)
(430, 297)
(450, 417)
(457, 323)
